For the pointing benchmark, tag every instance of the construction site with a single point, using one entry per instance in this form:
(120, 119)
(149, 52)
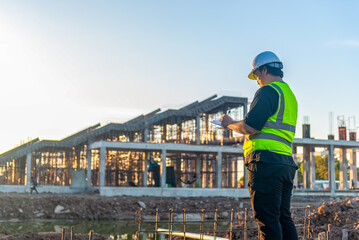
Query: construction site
(136, 157)
(176, 152)
(173, 161)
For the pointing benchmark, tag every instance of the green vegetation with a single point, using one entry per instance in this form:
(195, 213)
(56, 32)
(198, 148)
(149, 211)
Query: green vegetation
(321, 168)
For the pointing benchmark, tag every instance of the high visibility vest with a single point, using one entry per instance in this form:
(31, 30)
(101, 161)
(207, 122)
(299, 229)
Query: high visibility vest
(278, 132)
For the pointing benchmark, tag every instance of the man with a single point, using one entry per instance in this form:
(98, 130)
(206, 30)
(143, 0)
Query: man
(269, 127)
(34, 185)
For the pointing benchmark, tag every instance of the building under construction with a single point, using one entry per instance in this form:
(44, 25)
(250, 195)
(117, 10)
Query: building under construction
(163, 153)
(73, 162)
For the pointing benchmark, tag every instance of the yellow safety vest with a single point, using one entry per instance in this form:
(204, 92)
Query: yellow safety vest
(278, 133)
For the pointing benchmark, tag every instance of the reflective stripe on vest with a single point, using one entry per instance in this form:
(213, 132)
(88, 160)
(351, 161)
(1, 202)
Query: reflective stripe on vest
(270, 136)
(280, 125)
(276, 135)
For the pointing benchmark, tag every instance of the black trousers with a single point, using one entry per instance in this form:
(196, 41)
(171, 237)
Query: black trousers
(34, 188)
(270, 189)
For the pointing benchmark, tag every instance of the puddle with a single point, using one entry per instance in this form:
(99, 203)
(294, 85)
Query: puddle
(125, 230)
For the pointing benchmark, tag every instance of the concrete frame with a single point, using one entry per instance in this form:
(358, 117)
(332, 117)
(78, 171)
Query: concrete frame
(309, 161)
(307, 144)
(103, 146)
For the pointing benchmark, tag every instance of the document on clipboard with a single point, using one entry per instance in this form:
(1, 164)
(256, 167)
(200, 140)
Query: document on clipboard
(217, 122)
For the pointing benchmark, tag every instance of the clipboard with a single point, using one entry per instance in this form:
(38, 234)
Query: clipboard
(217, 122)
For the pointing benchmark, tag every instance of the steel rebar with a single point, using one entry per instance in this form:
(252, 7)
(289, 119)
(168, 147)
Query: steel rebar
(231, 226)
(245, 224)
(215, 223)
(156, 225)
(139, 223)
(184, 224)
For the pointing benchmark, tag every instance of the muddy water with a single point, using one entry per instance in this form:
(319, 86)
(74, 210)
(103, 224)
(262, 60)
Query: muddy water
(125, 230)
(113, 229)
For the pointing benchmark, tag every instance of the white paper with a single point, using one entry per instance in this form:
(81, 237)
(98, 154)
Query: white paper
(217, 122)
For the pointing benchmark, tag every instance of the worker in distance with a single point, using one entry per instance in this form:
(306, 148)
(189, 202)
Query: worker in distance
(269, 129)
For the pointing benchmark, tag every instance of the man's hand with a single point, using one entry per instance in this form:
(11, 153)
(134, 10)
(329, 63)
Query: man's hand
(226, 120)
(237, 126)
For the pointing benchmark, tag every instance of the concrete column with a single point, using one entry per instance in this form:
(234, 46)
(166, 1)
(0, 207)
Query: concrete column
(206, 127)
(89, 171)
(236, 172)
(219, 170)
(295, 180)
(353, 174)
(198, 170)
(145, 135)
(164, 133)
(343, 170)
(145, 168)
(78, 156)
(179, 132)
(244, 110)
(102, 166)
(198, 130)
(312, 169)
(28, 169)
(245, 175)
(331, 169)
(39, 168)
(163, 168)
(306, 167)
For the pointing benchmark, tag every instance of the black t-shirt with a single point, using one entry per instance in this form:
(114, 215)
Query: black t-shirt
(263, 106)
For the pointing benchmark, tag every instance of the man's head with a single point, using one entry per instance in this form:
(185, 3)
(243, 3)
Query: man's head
(266, 68)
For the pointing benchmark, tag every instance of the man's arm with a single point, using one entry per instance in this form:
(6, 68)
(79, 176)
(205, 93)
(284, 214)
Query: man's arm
(237, 126)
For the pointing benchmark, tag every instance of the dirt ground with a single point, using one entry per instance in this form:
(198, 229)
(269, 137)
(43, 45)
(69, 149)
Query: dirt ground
(340, 213)
(95, 207)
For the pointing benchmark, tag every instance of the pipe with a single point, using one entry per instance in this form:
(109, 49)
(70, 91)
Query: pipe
(189, 235)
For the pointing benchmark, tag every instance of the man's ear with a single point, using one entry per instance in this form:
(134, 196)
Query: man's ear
(264, 70)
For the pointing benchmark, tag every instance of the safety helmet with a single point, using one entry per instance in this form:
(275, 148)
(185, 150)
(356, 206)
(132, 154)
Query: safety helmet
(265, 58)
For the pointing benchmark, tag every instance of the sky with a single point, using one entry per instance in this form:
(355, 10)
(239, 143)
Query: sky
(67, 65)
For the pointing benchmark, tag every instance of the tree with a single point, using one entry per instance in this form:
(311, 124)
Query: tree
(321, 167)
(300, 172)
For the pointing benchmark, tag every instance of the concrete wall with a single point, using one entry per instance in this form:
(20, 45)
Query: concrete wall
(169, 192)
(78, 179)
(174, 192)
(40, 189)
(318, 193)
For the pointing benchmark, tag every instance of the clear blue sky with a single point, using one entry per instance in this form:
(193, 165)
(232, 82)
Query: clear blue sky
(66, 65)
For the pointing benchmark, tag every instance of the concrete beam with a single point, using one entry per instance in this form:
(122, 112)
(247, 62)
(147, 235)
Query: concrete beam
(324, 143)
(174, 192)
(170, 147)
